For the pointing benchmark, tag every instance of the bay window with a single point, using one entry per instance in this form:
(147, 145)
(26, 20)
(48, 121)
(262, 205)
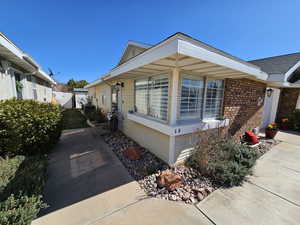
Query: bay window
(151, 96)
(201, 98)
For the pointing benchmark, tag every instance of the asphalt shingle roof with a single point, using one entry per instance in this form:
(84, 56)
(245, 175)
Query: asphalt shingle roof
(277, 64)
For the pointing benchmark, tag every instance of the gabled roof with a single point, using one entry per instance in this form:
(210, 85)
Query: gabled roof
(277, 64)
(129, 46)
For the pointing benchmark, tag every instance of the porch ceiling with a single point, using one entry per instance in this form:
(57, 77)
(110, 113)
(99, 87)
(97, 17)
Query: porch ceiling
(185, 63)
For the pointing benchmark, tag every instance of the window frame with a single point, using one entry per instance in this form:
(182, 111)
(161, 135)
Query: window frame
(148, 78)
(205, 79)
(191, 77)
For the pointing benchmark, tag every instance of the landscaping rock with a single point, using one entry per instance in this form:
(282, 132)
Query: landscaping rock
(169, 180)
(148, 168)
(132, 153)
(200, 196)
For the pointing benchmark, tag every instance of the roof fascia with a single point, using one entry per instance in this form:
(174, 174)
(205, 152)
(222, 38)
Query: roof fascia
(191, 49)
(161, 50)
(291, 70)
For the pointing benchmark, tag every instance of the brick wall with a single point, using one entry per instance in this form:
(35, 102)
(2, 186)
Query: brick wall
(287, 102)
(243, 105)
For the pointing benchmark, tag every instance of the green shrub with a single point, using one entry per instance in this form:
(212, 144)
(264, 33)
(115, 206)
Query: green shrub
(22, 180)
(22, 174)
(96, 115)
(224, 161)
(296, 119)
(233, 163)
(28, 127)
(20, 210)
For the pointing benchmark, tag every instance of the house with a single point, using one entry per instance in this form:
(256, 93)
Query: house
(20, 75)
(167, 92)
(283, 96)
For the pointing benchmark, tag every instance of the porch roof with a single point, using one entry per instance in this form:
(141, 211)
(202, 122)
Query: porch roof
(10, 52)
(185, 53)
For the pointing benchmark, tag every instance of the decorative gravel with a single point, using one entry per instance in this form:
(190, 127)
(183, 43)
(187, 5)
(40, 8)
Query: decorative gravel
(194, 187)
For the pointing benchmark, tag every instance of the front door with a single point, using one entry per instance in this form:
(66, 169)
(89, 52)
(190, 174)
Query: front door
(270, 107)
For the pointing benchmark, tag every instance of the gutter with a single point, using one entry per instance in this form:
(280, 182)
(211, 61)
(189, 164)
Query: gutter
(284, 84)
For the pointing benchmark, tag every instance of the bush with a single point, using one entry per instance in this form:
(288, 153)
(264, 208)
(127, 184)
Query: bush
(20, 210)
(296, 119)
(28, 127)
(22, 180)
(226, 162)
(96, 115)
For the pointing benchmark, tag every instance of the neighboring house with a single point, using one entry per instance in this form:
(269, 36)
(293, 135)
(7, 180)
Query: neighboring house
(20, 75)
(283, 96)
(80, 97)
(167, 92)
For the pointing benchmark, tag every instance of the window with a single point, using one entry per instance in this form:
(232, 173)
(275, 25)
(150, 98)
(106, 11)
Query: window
(213, 99)
(201, 98)
(151, 96)
(191, 97)
(34, 91)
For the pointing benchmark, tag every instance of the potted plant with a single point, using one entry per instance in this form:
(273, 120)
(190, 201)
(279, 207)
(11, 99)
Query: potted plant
(284, 125)
(271, 130)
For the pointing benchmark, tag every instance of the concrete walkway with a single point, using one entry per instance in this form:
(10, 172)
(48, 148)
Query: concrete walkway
(271, 196)
(87, 184)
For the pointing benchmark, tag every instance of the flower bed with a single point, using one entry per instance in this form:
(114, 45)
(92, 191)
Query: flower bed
(146, 170)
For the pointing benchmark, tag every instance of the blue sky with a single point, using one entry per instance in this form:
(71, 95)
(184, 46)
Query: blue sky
(85, 39)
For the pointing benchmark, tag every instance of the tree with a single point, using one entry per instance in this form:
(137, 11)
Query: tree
(76, 84)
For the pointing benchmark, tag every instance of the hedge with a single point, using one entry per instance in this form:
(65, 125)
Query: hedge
(22, 180)
(28, 127)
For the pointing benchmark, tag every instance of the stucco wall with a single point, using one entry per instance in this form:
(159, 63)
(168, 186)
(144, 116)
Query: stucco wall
(8, 88)
(154, 141)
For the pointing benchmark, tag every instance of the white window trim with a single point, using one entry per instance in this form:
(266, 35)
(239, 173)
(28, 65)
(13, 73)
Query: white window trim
(192, 77)
(168, 105)
(205, 79)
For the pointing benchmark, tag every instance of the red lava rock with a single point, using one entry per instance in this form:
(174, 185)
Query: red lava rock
(132, 153)
(169, 180)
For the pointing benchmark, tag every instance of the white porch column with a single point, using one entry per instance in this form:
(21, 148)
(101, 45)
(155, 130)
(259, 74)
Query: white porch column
(174, 96)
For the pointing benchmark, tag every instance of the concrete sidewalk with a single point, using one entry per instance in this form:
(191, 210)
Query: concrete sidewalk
(86, 181)
(271, 195)
(88, 185)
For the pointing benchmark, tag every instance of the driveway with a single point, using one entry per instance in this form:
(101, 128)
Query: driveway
(271, 196)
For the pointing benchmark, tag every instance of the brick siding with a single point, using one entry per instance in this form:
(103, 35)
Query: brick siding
(243, 105)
